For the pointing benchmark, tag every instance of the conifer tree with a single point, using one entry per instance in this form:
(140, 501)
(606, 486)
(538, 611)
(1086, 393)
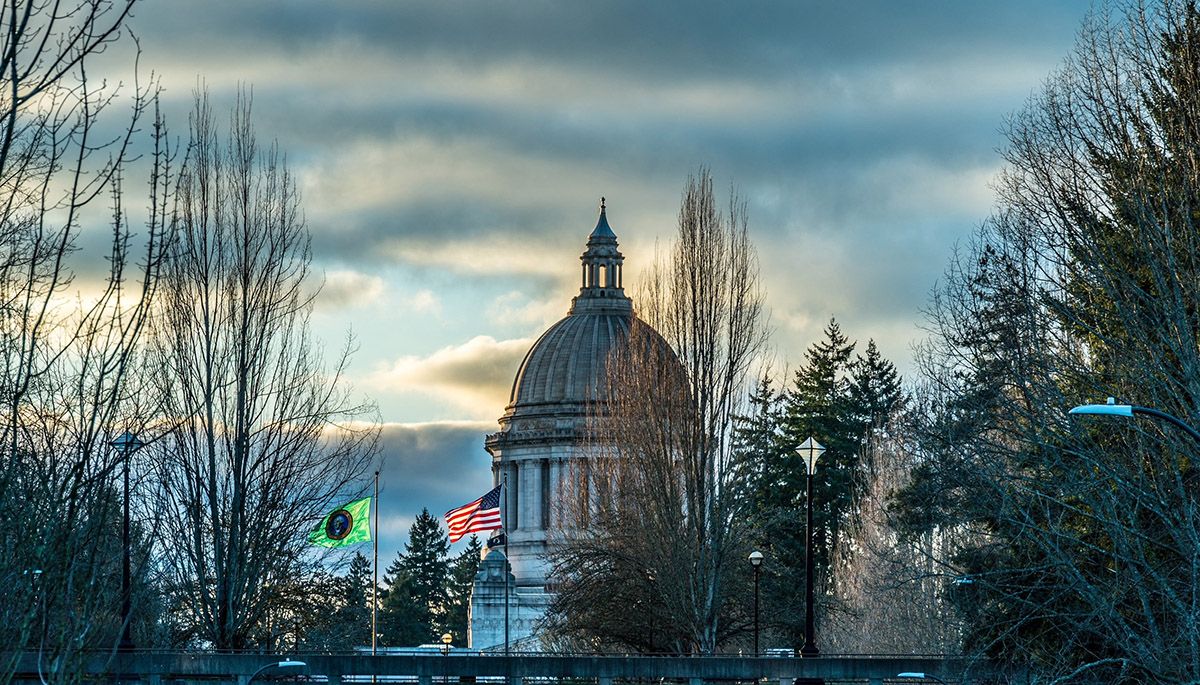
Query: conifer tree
(355, 614)
(819, 406)
(461, 582)
(403, 622)
(340, 617)
(875, 390)
(837, 398)
(417, 581)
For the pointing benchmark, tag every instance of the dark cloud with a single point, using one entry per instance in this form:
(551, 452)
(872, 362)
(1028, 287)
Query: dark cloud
(660, 40)
(458, 148)
(382, 233)
(435, 466)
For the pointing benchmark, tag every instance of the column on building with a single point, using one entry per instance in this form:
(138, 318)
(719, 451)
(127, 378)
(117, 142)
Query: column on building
(514, 497)
(529, 492)
(556, 493)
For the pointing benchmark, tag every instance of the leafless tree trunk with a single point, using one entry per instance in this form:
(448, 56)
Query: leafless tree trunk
(265, 437)
(659, 564)
(894, 591)
(66, 349)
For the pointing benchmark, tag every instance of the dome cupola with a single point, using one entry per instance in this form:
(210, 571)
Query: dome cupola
(603, 272)
(564, 369)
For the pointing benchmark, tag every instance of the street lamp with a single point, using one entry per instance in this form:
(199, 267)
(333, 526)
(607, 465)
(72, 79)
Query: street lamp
(809, 450)
(278, 664)
(447, 638)
(920, 676)
(126, 443)
(1111, 408)
(756, 558)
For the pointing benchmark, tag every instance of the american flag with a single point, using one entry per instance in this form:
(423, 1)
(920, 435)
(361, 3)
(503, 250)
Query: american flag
(481, 515)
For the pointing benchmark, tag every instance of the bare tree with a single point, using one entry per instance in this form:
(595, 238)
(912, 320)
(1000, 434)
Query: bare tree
(66, 348)
(665, 527)
(262, 436)
(1083, 536)
(893, 589)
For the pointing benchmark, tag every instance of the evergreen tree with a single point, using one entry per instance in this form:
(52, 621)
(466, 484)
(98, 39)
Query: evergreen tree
(461, 582)
(817, 406)
(403, 621)
(875, 391)
(837, 398)
(417, 581)
(762, 454)
(820, 407)
(336, 616)
(355, 613)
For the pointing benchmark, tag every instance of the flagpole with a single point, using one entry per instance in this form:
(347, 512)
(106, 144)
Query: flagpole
(375, 570)
(504, 529)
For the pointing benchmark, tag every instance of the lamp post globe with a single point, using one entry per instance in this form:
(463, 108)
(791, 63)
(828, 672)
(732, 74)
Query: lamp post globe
(810, 450)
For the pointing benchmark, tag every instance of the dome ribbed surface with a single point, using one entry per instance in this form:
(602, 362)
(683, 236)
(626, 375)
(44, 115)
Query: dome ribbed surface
(566, 364)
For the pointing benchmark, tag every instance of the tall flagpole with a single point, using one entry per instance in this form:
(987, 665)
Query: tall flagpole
(375, 568)
(504, 530)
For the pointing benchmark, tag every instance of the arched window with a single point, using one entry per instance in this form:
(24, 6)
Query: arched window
(603, 276)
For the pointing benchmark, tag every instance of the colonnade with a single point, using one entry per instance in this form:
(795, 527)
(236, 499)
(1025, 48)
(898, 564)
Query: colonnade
(534, 485)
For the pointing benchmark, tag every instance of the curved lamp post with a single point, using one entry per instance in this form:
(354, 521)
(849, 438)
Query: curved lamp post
(1111, 408)
(126, 443)
(809, 450)
(756, 558)
(920, 676)
(278, 664)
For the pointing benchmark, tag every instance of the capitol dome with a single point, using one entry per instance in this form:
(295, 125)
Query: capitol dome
(544, 428)
(566, 364)
(565, 368)
(542, 448)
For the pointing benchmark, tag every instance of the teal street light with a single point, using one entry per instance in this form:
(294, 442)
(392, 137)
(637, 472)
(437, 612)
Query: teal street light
(1111, 408)
(281, 665)
(916, 675)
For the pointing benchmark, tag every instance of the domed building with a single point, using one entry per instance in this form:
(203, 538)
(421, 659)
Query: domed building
(543, 430)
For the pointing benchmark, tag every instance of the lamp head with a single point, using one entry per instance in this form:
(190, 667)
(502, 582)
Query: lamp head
(127, 442)
(1109, 408)
(756, 558)
(810, 450)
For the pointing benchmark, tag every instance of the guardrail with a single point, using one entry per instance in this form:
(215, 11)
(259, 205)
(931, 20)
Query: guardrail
(182, 668)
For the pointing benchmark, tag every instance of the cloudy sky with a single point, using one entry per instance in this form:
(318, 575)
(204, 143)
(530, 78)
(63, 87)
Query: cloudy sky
(452, 155)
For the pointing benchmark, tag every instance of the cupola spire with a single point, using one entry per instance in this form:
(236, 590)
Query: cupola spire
(603, 266)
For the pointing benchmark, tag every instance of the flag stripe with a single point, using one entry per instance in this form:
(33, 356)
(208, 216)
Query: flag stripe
(481, 515)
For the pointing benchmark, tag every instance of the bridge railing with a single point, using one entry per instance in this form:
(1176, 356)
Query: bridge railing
(424, 668)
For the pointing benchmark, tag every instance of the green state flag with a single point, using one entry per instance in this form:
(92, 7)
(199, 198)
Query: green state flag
(349, 524)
